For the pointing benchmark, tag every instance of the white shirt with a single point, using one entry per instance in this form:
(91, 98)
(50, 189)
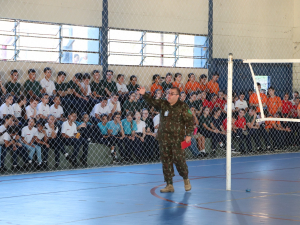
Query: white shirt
(156, 122)
(29, 112)
(49, 130)
(6, 137)
(40, 135)
(122, 87)
(225, 108)
(7, 110)
(140, 126)
(99, 110)
(111, 106)
(241, 104)
(71, 131)
(29, 134)
(43, 109)
(56, 112)
(17, 110)
(49, 85)
(2, 129)
(88, 88)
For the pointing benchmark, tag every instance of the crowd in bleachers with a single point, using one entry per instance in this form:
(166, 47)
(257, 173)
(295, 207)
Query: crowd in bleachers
(44, 116)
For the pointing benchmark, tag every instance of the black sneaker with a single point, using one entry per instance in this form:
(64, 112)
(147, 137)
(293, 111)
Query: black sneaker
(56, 165)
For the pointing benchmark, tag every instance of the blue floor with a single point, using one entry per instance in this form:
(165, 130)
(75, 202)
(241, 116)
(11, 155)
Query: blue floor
(130, 195)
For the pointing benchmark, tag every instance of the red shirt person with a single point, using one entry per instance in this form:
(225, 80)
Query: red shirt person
(286, 106)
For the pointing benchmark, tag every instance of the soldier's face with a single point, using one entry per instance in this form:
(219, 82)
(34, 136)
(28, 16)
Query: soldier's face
(173, 96)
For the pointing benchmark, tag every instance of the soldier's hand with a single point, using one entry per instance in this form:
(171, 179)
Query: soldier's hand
(141, 90)
(188, 139)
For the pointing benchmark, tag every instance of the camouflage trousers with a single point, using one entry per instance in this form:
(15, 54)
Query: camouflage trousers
(171, 153)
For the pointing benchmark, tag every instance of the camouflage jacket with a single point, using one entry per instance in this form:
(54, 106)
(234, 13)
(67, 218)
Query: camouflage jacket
(176, 121)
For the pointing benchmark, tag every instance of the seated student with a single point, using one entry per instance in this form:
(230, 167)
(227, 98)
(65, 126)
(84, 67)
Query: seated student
(12, 143)
(132, 144)
(32, 87)
(122, 89)
(97, 88)
(77, 98)
(198, 140)
(54, 140)
(183, 96)
(132, 86)
(31, 111)
(61, 87)
(6, 108)
(87, 91)
(8, 121)
(29, 135)
(57, 111)
(129, 104)
(241, 129)
(43, 109)
(99, 109)
(140, 134)
(262, 132)
(157, 95)
(150, 136)
(155, 85)
(212, 102)
(86, 129)
(206, 130)
(253, 128)
(104, 137)
(192, 102)
(212, 85)
(274, 102)
(281, 134)
(167, 84)
(203, 83)
(47, 84)
(19, 109)
(116, 132)
(233, 127)
(140, 102)
(13, 87)
(203, 99)
(68, 133)
(192, 85)
(114, 104)
(241, 102)
(216, 123)
(42, 141)
(109, 85)
(177, 81)
(286, 106)
(221, 102)
(295, 126)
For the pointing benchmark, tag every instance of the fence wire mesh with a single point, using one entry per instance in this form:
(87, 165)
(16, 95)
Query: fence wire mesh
(70, 72)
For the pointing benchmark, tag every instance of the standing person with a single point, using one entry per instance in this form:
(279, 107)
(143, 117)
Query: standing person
(274, 103)
(253, 100)
(13, 87)
(31, 86)
(176, 125)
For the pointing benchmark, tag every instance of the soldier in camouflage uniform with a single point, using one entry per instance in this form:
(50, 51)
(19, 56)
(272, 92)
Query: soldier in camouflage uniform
(176, 124)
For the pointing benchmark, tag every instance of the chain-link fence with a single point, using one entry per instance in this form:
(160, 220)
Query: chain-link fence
(70, 71)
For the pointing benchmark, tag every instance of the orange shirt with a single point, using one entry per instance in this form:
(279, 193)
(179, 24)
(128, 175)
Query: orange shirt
(176, 84)
(298, 107)
(254, 100)
(191, 86)
(202, 87)
(274, 103)
(270, 124)
(213, 87)
(155, 87)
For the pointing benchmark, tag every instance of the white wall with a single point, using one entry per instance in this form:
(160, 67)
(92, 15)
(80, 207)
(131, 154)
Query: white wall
(184, 16)
(80, 12)
(253, 28)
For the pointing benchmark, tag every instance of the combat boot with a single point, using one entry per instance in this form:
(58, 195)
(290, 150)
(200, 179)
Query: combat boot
(187, 185)
(168, 188)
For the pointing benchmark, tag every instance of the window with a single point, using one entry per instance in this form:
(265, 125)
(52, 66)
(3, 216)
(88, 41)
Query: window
(20, 40)
(156, 49)
(264, 81)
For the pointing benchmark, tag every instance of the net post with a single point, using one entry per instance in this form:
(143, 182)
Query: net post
(229, 119)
